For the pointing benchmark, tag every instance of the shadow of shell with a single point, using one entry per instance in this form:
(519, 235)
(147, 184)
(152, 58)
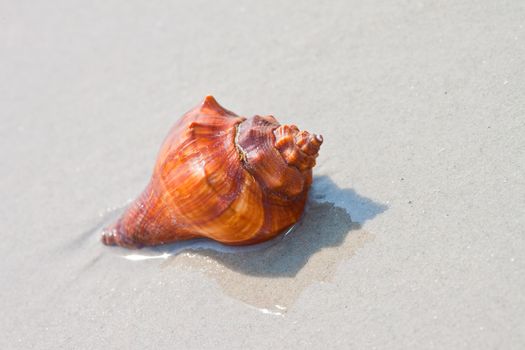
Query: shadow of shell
(274, 277)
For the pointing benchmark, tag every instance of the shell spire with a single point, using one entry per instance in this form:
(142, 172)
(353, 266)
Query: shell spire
(221, 176)
(298, 148)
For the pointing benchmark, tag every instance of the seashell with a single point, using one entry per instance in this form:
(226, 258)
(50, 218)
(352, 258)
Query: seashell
(221, 176)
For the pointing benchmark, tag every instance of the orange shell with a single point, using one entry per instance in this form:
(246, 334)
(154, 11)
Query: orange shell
(223, 177)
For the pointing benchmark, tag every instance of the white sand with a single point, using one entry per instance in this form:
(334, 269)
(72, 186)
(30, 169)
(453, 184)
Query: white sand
(422, 107)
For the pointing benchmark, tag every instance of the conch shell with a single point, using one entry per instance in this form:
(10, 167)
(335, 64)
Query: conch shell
(218, 175)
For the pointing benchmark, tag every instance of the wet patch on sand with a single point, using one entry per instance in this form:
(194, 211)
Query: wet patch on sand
(271, 278)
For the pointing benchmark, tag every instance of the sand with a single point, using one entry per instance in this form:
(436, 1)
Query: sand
(414, 235)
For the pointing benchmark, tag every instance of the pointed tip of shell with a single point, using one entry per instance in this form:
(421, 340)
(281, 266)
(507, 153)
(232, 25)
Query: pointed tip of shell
(210, 102)
(112, 236)
(108, 236)
(209, 99)
(210, 105)
(312, 144)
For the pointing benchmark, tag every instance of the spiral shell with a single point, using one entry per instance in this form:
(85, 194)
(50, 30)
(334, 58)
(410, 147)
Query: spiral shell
(218, 175)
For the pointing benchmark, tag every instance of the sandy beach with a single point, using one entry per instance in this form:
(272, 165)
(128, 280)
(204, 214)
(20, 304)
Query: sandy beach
(413, 236)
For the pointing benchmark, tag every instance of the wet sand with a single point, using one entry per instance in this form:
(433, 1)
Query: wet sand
(273, 277)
